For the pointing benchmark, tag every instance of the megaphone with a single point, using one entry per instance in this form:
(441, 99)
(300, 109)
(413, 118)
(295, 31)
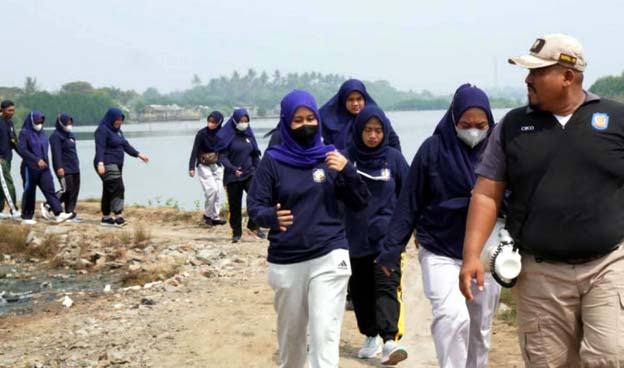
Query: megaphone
(500, 257)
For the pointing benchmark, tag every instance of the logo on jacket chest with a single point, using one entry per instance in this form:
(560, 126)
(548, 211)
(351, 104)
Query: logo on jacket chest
(318, 175)
(600, 121)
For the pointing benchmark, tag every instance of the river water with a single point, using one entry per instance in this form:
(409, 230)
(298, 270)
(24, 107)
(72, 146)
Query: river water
(165, 180)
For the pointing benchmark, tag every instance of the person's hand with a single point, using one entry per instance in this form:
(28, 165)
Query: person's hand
(471, 269)
(144, 157)
(192, 173)
(60, 172)
(238, 173)
(284, 217)
(335, 161)
(42, 164)
(101, 170)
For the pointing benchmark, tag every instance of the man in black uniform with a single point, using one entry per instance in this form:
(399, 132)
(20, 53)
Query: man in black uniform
(8, 143)
(562, 158)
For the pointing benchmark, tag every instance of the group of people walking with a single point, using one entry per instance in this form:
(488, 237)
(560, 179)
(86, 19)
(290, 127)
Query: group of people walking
(32, 145)
(341, 203)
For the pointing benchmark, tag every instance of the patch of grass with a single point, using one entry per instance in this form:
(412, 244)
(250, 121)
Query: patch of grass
(12, 238)
(48, 249)
(125, 237)
(142, 235)
(91, 200)
(507, 298)
(151, 273)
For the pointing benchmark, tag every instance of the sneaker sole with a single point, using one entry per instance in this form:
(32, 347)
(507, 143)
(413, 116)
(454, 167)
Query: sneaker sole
(106, 225)
(395, 357)
(121, 225)
(364, 357)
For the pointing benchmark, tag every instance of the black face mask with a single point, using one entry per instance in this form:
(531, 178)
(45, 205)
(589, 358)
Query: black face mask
(304, 135)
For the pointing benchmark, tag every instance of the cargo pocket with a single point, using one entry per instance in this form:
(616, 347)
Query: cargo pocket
(531, 341)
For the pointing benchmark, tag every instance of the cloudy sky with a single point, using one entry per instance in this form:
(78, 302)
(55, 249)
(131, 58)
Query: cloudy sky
(414, 44)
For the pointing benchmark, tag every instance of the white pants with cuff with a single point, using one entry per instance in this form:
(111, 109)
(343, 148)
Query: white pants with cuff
(211, 180)
(461, 329)
(310, 296)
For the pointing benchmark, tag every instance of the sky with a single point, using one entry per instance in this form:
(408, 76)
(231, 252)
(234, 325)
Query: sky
(413, 44)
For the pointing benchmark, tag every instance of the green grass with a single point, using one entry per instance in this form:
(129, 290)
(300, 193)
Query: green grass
(507, 298)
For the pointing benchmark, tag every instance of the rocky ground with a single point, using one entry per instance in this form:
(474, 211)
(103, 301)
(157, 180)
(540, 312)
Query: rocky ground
(165, 292)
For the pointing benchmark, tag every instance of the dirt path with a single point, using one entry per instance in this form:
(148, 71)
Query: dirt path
(218, 314)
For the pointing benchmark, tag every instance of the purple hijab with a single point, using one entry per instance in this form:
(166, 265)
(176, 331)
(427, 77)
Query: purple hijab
(290, 152)
(335, 116)
(228, 131)
(457, 160)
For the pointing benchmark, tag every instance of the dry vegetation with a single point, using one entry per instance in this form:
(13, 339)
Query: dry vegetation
(150, 273)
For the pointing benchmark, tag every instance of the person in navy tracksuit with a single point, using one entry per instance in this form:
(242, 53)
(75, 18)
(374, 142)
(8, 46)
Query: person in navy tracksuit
(35, 170)
(110, 149)
(240, 155)
(299, 192)
(434, 201)
(65, 162)
(338, 115)
(376, 298)
(210, 173)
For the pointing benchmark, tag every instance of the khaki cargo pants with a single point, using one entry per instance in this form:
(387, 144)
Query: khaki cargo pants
(572, 315)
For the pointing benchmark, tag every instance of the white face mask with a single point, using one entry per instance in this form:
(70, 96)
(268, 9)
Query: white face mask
(242, 126)
(472, 136)
(37, 127)
(68, 128)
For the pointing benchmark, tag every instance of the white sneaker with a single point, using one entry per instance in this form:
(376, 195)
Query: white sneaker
(29, 222)
(393, 353)
(5, 216)
(45, 213)
(370, 348)
(17, 215)
(63, 216)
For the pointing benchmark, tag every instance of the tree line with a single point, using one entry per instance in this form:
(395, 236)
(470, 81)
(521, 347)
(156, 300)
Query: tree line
(260, 92)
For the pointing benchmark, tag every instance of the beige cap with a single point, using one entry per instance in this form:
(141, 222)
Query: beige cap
(553, 49)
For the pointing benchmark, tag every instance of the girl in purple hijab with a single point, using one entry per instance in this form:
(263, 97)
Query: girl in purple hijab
(434, 202)
(338, 115)
(299, 192)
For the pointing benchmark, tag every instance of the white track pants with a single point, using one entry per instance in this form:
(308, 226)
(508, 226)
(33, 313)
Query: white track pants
(461, 329)
(310, 296)
(211, 180)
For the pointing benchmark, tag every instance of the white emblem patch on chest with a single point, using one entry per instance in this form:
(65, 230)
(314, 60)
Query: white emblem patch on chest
(318, 175)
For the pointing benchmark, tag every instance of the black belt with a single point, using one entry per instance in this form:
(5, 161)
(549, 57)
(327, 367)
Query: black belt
(576, 261)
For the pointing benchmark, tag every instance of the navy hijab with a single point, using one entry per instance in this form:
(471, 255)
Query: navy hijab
(111, 116)
(61, 123)
(226, 134)
(290, 152)
(210, 136)
(334, 114)
(458, 161)
(364, 156)
(38, 142)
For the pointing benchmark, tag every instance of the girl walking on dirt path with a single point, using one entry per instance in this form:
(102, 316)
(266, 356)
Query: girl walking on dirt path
(110, 147)
(240, 155)
(296, 193)
(205, 162)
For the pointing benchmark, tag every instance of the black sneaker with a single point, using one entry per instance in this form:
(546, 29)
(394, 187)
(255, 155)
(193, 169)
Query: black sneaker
(120, 222)
(208, 221)
(218, 221)
(107, 221)
(236, 238)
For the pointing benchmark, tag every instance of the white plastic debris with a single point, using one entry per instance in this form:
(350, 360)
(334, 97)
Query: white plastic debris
(67, 302)
(108, 289)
